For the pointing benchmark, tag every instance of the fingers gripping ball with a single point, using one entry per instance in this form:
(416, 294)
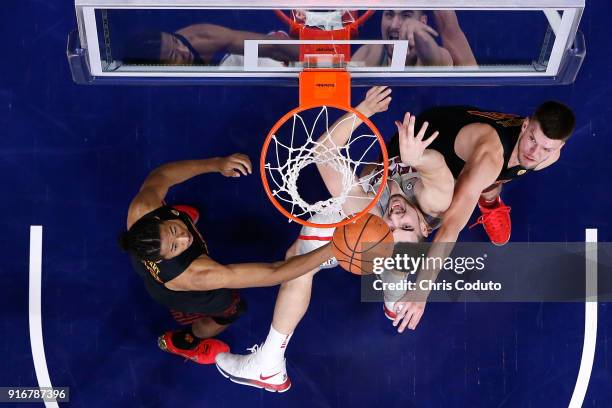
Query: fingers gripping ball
(355, 245)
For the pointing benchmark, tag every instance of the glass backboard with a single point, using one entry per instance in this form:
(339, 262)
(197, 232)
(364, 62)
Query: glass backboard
(395, 43)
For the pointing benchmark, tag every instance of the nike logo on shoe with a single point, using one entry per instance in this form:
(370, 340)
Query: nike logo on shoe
(262, 378)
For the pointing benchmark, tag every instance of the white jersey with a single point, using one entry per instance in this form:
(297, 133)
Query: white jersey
(406, 177)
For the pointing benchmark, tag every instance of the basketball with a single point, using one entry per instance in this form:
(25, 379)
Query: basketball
(356, 244)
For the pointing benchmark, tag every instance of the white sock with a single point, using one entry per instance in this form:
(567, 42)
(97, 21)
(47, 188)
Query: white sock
(273, 350)
(392, 296)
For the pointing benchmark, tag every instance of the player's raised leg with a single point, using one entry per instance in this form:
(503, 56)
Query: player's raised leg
(266, 366)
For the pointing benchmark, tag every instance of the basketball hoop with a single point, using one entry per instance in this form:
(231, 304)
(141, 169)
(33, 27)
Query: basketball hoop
(324, 84)
(323, 19)
(340, 24)
(321, 89)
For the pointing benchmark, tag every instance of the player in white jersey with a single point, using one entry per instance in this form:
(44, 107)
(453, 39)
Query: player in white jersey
(418, 191)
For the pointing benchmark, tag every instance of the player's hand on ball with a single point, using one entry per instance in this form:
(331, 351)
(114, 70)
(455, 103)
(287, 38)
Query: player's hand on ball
(412, 147)
(408, 312)
(377, 100)
(235, 165)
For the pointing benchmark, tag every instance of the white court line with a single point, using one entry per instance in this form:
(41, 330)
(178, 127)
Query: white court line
(590, 321)
(588, 348)
(35, 317)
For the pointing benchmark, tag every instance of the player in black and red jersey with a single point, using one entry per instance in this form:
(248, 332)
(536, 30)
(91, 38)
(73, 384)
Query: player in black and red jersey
(172, 259)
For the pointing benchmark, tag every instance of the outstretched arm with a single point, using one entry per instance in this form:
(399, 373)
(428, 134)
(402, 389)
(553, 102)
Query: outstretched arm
(429, 53)
(479, 172)
(435, 187)
(209, 39)
(453, 38)
(158, 182)
(206, 274)
(377, 100)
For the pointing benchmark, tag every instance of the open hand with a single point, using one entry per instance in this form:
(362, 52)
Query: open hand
(377, 100)
(235, 165)
(408, 312)
(411, 27)
(412, 147)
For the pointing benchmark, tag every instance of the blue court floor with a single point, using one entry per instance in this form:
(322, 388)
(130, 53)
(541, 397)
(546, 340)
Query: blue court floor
(72, 157)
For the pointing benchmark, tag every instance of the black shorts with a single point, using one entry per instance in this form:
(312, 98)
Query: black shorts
(228, 314)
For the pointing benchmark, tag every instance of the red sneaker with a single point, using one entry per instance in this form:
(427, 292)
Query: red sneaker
(192, 212)
(496, 221)
(204, 353)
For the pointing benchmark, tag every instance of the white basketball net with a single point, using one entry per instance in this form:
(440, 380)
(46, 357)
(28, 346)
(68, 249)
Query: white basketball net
(283, 177)
(325, 20)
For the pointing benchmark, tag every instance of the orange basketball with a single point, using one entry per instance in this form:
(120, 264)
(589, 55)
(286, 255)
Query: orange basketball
(356, 244)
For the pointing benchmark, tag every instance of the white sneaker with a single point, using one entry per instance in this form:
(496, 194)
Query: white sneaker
(247, 370)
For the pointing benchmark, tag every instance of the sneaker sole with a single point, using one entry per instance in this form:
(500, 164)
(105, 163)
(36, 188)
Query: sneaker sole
(254, 383)
(499, 243)
(161, 343)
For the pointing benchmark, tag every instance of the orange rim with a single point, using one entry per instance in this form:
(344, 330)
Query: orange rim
(351, 218)
(285, 18)
(294, 25)
(362, 19)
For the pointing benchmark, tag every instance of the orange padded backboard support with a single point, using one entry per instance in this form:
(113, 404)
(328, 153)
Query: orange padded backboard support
(325, 87)
(307, 33)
